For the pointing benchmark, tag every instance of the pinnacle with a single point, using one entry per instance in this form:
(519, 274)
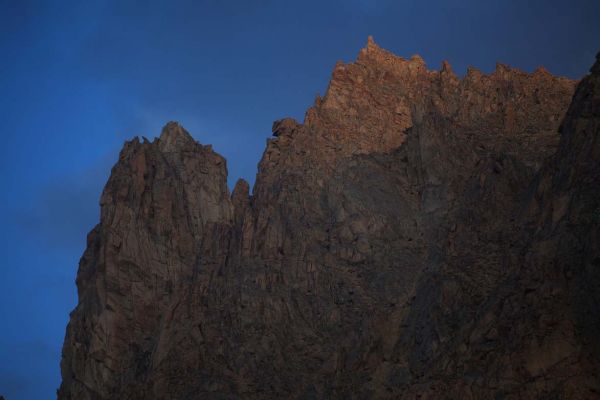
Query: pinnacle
(446, 67)
(174, 137)
(371, 42)
(242, 188)
(371, 46)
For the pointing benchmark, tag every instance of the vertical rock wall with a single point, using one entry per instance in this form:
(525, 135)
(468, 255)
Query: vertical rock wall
(410, 238)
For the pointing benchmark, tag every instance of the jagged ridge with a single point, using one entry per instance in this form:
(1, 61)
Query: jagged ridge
(389, 249)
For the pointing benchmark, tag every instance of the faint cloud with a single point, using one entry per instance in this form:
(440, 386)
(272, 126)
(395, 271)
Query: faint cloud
(68, 208)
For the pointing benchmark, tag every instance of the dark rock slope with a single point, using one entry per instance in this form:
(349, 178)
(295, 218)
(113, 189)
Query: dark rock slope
(417, 236)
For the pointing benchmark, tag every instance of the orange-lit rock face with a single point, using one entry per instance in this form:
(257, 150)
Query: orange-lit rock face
(407, 239)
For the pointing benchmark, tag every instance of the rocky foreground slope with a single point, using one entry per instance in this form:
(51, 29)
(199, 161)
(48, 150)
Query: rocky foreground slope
(419, 235)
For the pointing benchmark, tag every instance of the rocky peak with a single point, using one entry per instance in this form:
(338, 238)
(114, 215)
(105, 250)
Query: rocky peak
(373, 55)
(174, 138)
(286, 126)
(383, 253)
(241, 193)
(446, 68)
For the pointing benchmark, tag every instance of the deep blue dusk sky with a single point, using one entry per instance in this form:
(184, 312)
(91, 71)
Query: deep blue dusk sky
(78, 78)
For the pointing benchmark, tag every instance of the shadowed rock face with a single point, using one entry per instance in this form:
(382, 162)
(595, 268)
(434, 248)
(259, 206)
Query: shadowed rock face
(417, 236)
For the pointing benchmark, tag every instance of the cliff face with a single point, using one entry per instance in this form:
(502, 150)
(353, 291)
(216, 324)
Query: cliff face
(417, 235)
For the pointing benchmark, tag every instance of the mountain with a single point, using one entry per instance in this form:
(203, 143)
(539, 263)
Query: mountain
(418, 235)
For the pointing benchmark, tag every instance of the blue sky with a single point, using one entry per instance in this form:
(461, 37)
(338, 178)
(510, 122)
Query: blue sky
(78, 78)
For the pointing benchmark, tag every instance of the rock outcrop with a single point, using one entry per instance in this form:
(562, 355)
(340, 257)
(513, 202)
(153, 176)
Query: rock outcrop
(419, 235)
